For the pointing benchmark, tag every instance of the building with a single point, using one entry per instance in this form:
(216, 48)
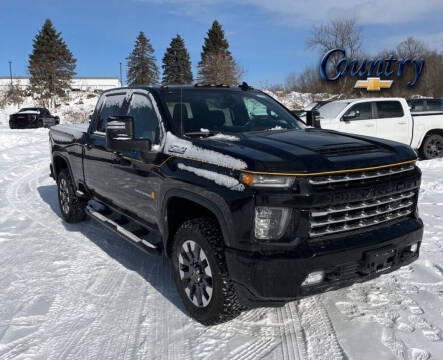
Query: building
(78, 83)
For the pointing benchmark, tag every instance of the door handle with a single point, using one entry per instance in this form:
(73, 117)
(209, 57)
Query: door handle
(369, 125)
(402, 122)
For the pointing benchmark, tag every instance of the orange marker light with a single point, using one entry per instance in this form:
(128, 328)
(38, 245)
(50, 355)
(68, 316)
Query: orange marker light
(246, 179)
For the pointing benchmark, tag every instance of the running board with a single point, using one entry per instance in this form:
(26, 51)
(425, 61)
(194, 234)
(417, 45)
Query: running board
(112, 225)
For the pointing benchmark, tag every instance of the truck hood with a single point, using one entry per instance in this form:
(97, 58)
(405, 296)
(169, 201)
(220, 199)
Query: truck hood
(308, 150)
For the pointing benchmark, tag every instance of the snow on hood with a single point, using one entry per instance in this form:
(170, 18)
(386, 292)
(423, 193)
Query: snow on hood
(219, 179)
(221, 136)
(65, 133)
(32, 112)
(175, 145)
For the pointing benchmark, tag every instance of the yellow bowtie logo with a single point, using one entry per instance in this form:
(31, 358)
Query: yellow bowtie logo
(373, 84)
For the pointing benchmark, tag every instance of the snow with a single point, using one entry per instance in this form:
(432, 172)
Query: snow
(79, 291)
(219, 179)
(297, 100)
(224, 137)
(75, 131)
(30, 112)
(175, 145)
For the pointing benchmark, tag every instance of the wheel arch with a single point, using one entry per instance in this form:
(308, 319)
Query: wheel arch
(60, 162)
(193, 205)
(428, 133)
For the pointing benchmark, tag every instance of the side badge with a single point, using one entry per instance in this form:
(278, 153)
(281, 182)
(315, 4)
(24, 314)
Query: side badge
(177, 149)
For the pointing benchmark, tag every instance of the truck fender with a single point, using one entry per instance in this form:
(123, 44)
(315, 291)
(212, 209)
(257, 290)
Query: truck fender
(218, 207)
(56, 155)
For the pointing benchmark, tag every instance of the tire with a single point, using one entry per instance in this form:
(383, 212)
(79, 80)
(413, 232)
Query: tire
(40, 124)
(432, 146)
(11, 126)
(219, 302)
(71, 207)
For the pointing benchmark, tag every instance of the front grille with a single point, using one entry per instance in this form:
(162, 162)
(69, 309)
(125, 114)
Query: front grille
(360, 214)
(365, 176)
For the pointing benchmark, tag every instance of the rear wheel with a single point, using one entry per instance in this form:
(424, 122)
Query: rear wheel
(432, 146)
(71, 207)
(201, 274)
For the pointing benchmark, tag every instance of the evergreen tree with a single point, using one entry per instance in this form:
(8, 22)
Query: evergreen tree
(142, 69)
(217, 65)
(176, 64)
(215, 42)
(51, 65)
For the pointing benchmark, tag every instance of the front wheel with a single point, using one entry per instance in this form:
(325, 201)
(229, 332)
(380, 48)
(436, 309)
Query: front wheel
(201, 274)
(432, 146)
(71, 207)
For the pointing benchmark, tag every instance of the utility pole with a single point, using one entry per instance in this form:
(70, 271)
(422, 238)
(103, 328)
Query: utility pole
(121, 79)
(10, 70)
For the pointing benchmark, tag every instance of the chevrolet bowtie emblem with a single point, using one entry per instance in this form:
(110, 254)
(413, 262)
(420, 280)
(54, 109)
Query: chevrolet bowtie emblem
(373, 84)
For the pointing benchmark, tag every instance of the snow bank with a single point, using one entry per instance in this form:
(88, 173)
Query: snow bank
(298, 100)
(219, 179)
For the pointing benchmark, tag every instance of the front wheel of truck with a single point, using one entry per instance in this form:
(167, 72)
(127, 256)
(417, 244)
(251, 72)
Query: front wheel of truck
(71, 207)
(201, 274)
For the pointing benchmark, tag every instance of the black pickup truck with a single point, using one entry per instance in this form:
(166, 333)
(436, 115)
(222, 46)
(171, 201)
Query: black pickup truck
(252, 207)
(32, 118)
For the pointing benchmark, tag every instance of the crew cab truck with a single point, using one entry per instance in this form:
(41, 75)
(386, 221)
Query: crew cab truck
(387, 118)
(252, 207)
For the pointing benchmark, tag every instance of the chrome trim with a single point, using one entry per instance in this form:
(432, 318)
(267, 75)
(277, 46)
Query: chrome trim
(362, 204)
(373, 222)
(362, 215)
(361, 175)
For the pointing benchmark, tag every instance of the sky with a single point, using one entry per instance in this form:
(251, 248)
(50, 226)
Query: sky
(266, 37)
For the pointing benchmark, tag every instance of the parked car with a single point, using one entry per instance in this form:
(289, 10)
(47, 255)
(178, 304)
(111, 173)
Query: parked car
(387, 118)
(425, 104)
(33, 117)
(253, 208)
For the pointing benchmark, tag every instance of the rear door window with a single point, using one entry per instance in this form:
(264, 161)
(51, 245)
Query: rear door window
(112, 106)
(389, 109)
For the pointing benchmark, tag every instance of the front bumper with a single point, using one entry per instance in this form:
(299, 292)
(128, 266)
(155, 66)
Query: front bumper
(272, 280)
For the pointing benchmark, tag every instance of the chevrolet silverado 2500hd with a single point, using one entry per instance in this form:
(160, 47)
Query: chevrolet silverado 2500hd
(252, 207)
(387, 118)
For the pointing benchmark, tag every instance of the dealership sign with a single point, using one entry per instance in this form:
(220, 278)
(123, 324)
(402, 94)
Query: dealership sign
(373, 69)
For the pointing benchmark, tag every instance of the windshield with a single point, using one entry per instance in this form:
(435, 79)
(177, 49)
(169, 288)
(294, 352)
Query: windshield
(200, 111)
(332, 109)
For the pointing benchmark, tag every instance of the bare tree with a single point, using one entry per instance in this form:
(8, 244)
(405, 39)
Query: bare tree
(411, 48)
(340, 33)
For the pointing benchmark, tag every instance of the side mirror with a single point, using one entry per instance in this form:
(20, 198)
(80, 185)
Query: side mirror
(351, 115)
(120, 135)
(312, 119)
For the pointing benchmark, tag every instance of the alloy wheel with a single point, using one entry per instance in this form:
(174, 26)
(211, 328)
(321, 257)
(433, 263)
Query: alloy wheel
(195, 273)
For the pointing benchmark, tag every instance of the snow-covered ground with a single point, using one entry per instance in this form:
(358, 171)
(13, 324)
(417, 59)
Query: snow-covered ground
(81, 292)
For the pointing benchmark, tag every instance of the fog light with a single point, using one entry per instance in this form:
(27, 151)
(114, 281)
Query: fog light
(314, 278)
(270, 222)
(414, 247)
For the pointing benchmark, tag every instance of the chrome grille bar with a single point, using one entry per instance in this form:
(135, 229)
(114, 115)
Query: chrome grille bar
(361, 215)
(361, 204)
(368, 222)
(360, 175)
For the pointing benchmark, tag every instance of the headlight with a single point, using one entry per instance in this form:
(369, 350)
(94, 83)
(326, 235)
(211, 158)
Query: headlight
(271, 222)
(271, 181)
